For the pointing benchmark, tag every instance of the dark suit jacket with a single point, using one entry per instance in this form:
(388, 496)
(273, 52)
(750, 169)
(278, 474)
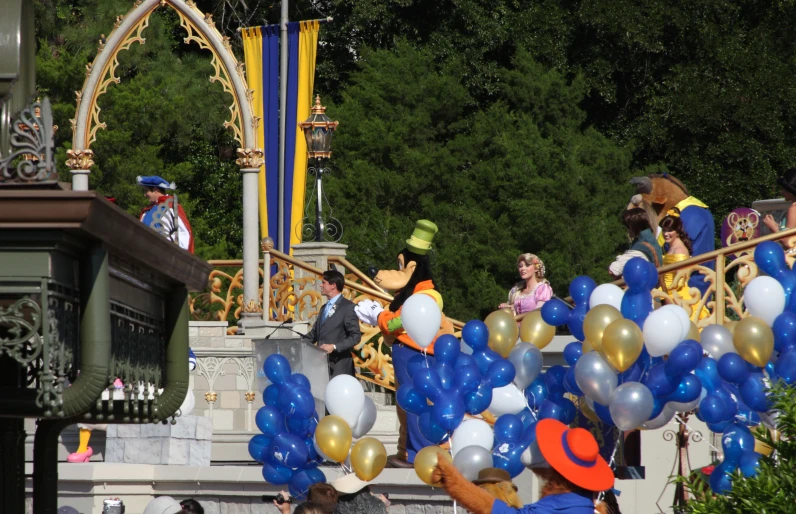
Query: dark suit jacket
(340, 329)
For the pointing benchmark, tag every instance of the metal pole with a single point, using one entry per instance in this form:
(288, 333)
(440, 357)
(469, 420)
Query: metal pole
(319, 228)
(282, 124)
(266, 286)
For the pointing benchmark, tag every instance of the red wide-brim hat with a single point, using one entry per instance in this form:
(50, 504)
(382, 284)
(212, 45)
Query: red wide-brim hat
(575, 454)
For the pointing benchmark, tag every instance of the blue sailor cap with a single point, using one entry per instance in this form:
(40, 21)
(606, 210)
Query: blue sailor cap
(155, 181)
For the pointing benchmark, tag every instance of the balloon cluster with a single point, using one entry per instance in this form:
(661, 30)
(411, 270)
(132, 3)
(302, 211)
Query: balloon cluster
(293, 442)
(287, 422)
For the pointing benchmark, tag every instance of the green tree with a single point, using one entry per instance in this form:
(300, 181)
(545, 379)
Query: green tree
(523, 175)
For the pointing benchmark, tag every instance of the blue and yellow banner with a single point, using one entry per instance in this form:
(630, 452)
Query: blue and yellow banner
(261, 49)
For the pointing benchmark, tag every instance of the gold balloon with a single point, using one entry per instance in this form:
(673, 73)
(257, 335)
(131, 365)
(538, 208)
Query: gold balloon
(534, 330)
(595, 322)
(622, 343)
(426, 462)
(693, 332)
(754, 340)
(730, 325)
(587, 346)
(502, 332)
(333, 436)
(587, 411)
(368, 458)
(763, 448)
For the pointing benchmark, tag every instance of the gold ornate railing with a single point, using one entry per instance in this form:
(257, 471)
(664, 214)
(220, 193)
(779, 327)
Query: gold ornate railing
(733, 268)
(292, 292)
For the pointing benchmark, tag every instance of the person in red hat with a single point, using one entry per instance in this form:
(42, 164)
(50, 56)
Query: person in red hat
(573, 473)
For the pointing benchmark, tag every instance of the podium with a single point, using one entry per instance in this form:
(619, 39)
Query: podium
(303, 357)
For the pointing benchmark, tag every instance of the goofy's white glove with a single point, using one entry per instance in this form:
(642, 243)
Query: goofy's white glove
(368, 311)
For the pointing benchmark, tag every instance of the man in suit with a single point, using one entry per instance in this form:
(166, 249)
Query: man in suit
(336, 330)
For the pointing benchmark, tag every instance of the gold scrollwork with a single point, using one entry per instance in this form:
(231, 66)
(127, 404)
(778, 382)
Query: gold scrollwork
(249, 395)
(80, 159)
(249, 158)
(211, 397)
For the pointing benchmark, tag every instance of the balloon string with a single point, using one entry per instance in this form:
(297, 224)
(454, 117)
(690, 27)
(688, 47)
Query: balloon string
(454, 506)
(680, 420)
(535, 418)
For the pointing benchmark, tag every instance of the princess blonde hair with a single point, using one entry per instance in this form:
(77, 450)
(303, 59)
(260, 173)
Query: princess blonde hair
(529, 259)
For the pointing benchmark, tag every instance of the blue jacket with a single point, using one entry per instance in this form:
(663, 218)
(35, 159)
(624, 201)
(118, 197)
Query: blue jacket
(567, 503)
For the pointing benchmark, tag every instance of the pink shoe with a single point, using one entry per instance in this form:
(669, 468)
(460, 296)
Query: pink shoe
(80, 457)
(118, 384)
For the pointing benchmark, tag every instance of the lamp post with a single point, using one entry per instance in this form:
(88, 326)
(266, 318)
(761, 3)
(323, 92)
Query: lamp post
(318, 131)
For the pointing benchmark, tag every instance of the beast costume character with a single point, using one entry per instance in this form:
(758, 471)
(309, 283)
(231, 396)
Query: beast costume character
(664, 192)
(413, 276)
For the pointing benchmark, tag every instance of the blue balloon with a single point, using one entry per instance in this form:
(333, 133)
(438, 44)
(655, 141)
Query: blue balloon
(430, 429)
(721, 478)
(736, 440)
(428, 383)
(555, 312)
(257, 447)
(527, 418)
(581, 288)
(570, 384)
(301, 482)
(572, 352)
(296, 402)
(637, 275)
(713, 409)
(755, 393)
(449, 410)
(659, 384)
(467, 379)
(271, 395)
(446, 373)
(603, 413)
(277, 369)
(269, 420)
(684, 358)
(554, 378)
(465, 360)
(732, 368)
(446, 349)
(771, 371)
(575, 322)
(478, 401)
(551, 410)
(719, 427)
(500, 373)
(749, 464)
(299, 426)
(475, 335)
(785, 367)
(708, 373)
(301, 380)
(634, 372)
(288, 450)
(313, 459)
(653, 277)
(276, 473)
(747, 416)
(568, 408)
(485, 358)
(415, 363)
(508, 457)
(687, 390)
(636, 306)
(509, 428)
(537, 392)
(784, 329)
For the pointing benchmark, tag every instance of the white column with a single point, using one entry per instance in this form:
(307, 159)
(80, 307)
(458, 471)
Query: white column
(250, 161)
(80, 163)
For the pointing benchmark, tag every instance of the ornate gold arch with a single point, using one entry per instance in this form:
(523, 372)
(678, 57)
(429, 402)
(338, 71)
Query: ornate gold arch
(128, 29)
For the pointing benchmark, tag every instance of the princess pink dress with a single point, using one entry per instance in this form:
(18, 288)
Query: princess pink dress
(526, 303)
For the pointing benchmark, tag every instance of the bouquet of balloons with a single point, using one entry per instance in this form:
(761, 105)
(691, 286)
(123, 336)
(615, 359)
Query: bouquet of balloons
(294, 442)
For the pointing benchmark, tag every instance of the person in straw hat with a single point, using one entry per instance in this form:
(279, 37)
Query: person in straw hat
(572, 470)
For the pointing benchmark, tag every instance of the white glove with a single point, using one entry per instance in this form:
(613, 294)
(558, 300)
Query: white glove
(368, 311)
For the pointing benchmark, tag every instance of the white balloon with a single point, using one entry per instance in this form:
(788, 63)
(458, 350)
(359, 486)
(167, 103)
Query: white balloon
(607, 294)
(472, 432)
(345, 398)
(682, 315)
(663, 418)
(717, 340)
(765, 298)
(366, 419)
(421, 318)
(506, 400)
(532, 456)
(662, 332)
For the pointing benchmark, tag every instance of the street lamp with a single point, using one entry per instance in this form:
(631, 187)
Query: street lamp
(318, 131)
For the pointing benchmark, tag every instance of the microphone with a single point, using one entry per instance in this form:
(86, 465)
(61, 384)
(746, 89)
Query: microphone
(289, 320)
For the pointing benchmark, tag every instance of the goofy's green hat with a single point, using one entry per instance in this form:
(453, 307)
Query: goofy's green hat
(420, 242)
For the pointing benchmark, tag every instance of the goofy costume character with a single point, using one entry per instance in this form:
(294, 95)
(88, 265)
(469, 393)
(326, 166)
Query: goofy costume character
(159, 214)
(413, 276)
